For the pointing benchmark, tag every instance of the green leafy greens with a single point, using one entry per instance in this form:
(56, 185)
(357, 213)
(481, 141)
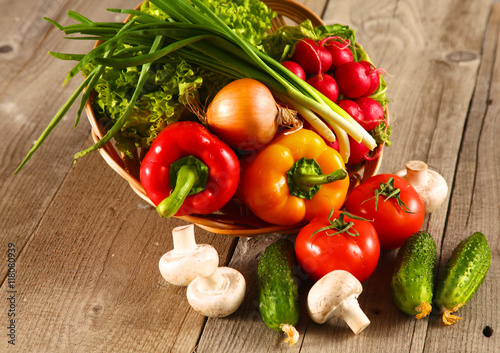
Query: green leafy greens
(166, 92)
(170, 85)
(145, 72)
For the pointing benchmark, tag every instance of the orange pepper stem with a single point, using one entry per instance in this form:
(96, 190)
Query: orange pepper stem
(305, 177)
(312, 180)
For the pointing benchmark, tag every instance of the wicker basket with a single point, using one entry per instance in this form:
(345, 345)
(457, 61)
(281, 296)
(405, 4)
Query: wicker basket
(234, 219)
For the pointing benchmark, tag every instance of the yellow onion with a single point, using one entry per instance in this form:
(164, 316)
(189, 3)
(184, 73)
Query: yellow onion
(245, 115)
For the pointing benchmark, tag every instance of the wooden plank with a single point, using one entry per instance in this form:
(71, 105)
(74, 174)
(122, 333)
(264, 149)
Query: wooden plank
(89, 278)
(476, 182)
(430, 91)
(244, 331)
(89, 247)
(25, 112)
(316, 6)
(430, 88)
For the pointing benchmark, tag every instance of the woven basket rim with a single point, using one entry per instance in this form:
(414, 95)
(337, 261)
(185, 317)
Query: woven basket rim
(226, 224)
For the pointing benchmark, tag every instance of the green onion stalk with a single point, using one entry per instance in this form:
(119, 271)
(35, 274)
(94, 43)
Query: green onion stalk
(196, 34)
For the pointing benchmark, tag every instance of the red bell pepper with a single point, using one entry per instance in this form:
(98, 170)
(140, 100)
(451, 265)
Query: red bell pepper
(188, 170)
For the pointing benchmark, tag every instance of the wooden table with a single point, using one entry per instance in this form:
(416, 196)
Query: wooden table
(86, 247)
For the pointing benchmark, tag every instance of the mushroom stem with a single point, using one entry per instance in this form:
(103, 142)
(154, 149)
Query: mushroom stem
(416, 173)
(429, 184)
(336, 294)
(351, 313)
(219, 294)
(183, 237)
(187, 260)
(216, 282)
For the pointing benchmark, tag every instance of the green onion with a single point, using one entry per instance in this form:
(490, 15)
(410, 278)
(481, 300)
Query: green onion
(198, 36)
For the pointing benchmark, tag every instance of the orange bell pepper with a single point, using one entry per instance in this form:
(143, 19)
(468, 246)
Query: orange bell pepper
(296, 177)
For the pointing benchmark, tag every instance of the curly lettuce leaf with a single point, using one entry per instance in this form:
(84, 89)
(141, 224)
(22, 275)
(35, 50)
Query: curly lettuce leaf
(151, 9)
(250, 19)
(169, 86)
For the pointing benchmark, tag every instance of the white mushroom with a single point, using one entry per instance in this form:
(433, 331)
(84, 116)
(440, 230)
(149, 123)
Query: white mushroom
(187, 260)
(335, 295)
(219, 294)
(429, 184)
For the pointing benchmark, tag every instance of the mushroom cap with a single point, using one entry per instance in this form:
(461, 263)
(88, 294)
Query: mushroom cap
(180, 269)
(223, 300)
(434, 194)
(329, 292)
(429, 184)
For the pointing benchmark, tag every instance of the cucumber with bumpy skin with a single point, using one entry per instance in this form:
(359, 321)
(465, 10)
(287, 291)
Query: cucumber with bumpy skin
(464, 272)
(278, 288)
(412, 282)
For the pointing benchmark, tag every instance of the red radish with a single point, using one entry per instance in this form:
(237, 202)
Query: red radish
(313, 58)
(373, 113)
(325, 84)
(374, 75)
(326, 59)
(352, 79)
(335, 145)
(295, 68)
(339, 48)
(360, 153)
(352, 108)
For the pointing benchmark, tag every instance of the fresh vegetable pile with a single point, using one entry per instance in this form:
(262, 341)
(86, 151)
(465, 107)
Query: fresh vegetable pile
(223, 109)
(339, 68)
(219, 68)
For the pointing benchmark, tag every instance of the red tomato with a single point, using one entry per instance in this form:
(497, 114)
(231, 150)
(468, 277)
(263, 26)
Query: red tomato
(395, 218)
(355, 250)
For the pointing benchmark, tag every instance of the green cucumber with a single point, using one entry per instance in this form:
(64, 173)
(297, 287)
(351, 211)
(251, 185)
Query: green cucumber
(412, 282)
(277, 288)
(464, 272)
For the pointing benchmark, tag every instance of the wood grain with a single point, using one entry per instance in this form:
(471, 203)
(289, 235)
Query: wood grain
(96, 284)
(31, 93)
(476, 180)
(88, 247)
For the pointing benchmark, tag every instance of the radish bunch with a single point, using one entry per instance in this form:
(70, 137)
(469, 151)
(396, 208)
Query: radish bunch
(369, 114)
(329, 66)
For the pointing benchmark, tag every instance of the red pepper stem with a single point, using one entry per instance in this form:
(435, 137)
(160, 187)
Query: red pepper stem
(188, 176)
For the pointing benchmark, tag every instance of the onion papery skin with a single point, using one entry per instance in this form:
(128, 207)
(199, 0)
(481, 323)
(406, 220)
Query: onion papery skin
(244, 115)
